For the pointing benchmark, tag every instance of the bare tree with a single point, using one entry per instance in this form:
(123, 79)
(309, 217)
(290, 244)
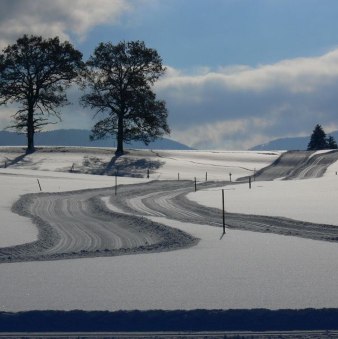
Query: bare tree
(34, 74)
(120, 78)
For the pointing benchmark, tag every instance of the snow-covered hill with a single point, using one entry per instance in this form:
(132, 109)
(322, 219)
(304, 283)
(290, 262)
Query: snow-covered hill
(243, 270)
(288, 144)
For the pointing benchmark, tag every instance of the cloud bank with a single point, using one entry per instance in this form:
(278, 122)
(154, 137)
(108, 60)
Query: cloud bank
(57, 17)
(240, 106)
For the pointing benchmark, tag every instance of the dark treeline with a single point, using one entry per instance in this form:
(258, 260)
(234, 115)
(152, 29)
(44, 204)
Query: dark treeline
(319, 140)
(195, 320)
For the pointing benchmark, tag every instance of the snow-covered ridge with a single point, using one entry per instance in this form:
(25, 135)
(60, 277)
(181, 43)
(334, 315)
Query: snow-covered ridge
(135, 163)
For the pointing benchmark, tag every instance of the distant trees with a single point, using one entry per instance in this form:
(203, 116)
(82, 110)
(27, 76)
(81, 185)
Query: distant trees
(119, 81)
(331, 142)
(34, 73)
(319, 140)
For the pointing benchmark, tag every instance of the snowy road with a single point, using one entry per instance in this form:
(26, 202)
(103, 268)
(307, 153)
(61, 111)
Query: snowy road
(314, 167)
(170, 201)
(81, 223)
(77, 224)
(298, 165)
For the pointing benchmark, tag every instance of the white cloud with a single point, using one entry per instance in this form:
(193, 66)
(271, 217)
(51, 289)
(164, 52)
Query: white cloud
(223, 134)
(297, 75)
(6, 114)
(57, 17)
(288, 98)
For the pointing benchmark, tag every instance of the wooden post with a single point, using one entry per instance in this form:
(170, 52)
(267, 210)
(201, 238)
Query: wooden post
(230, 176)
(249, 182)
(39, 185)
(206, 176)
(116, 183)
(223, 209)
(195, 185)
(148, 173)
(6, 165)
(254, 177)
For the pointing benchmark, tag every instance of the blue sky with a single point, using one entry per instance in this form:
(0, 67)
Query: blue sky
(192, 33)
(240, 72)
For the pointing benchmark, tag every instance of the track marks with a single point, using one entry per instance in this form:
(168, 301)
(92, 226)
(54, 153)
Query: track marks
(173, 204)
(297, 165)
(78, 224)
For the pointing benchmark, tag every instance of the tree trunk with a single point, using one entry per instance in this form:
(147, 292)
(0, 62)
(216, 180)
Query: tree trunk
(30, 131)
(119, 137)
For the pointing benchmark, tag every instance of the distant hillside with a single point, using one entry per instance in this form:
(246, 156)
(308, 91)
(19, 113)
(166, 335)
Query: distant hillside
(288, 144)
(77, 137)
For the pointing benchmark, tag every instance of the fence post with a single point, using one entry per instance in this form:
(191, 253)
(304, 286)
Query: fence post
(223, 211)
(206, 176)
(148, 173)
(116, 183)
(249, 182)
(195, 185)
(39, 185)
(230, 176)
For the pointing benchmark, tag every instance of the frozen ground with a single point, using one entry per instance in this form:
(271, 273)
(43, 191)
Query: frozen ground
(243, 270)
(162, 164)
(312, 200)
(54, 166)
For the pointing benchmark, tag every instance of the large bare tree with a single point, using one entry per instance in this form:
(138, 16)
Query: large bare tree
(34, 74)
(119, 83)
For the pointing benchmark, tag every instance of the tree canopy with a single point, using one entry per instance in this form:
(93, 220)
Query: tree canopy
(319, 140)
(331, 142)
(34, 74)
(119, 81)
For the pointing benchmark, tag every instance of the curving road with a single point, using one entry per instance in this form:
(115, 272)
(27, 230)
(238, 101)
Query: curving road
(313, 167)
(80, 224)
(171, 202)
(297, 165)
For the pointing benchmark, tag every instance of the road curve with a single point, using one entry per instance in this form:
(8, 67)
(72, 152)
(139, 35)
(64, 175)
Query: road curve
(160, 198)
(297, 165)
(314, 167)
(78, 224)
(283, 166)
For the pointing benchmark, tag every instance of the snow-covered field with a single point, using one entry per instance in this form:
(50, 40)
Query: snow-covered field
(243, 270)
(313, 200)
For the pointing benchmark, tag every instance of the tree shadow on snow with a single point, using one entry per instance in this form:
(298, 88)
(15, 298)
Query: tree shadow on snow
(118, 165)
(21, 161)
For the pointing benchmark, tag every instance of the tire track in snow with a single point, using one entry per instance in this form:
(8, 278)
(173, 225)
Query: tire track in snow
(174, 204)
(78, 224)
(314, 167)
(297, 165)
